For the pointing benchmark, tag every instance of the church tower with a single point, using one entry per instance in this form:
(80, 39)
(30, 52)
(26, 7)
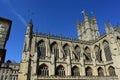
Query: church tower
(24, 72)
(88, 29)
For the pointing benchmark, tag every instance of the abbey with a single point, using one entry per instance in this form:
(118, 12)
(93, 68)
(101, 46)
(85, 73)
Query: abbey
(91, 57)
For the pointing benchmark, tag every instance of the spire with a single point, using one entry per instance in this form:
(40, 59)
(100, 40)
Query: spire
(29, 27)
(30, 21)
(85, 15)
(93, 18)
(106, 28)
(111, 27)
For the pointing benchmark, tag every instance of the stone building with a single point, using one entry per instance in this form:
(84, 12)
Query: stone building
(9, 70)
(5, 26)
(91, 57)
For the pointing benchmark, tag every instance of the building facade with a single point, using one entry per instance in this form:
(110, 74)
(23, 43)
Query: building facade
(91, 57)
(9, 70)
(5, 26)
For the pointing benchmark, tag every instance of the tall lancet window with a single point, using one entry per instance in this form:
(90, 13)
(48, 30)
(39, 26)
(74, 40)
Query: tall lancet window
(55, 50)
(41, 50)
(107, 50)
(98, 53)
(66, 50)
(77, 53)
(87, 54)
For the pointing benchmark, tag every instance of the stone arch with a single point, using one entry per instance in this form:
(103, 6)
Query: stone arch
(98, 53)
(111, 71)
(55, 49)
(53, 44)
(100, 71)
(41, 49)
(60, 71)
(107, 50)
(66, 49)
(43, 70)
(88, 71)
(87, 54)
(75, 71)
(105, 42)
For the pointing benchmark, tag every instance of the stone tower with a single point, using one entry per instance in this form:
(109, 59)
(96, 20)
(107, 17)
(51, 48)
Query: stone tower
(25, 64)
(88, 29)
(5, 26)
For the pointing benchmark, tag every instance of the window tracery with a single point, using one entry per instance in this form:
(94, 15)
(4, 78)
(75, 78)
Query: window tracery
(75, 71)
(43, 70)
(111, 71)
(60, 71)
(77, 53)
(41, 50)
(100, 72)
(87, 54)
(98, 54)
(88, 71)
(107, 51)
(55, 50)
(66, 50)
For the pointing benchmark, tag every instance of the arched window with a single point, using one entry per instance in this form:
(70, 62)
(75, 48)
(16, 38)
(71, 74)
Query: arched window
(107, 51)
(87, 54)
(66, 50)
(60, 71)
(77, 53)
(41, 50)
(100, 72)
(55, 50)
(88, 71)
(98, 53)
(111, 71)
(75, 71)
(43, 70)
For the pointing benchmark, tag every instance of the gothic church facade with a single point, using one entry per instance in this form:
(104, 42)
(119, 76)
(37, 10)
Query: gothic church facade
(91, 57)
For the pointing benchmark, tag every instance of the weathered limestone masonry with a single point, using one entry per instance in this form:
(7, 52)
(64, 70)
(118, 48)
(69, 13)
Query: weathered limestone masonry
(91, 57)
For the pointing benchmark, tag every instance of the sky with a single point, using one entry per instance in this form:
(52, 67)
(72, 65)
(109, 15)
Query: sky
(54, 16)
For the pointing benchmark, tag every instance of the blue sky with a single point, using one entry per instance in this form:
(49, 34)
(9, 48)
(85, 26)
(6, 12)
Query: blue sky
(54, 16)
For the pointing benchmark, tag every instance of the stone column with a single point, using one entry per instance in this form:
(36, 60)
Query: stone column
(68, 64)
(34, 67)
(82, 63)
(61, 51)
(95, 72)
(47, 48)
(52, 71)
(105, 71)
(93, 56)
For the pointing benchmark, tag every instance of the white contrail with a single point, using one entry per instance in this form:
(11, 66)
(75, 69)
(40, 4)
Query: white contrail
(20, 17)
